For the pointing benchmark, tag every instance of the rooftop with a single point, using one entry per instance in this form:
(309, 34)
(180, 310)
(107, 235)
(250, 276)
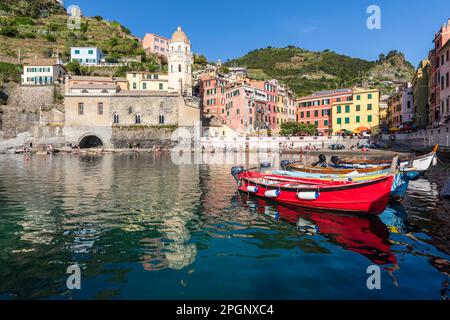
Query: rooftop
(97, 79)
(42, 62)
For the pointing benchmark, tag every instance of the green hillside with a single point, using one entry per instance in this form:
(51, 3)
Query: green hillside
(307, 71)
(39, 28)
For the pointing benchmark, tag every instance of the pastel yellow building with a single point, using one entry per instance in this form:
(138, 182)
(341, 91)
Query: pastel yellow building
(362, 111)
(148, 81)
(281, 110)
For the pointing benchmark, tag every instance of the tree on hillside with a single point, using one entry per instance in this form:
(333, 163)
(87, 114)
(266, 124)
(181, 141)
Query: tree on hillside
(200, 60)
(74, 68)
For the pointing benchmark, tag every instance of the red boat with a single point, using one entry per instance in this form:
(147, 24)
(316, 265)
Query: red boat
(367, 197)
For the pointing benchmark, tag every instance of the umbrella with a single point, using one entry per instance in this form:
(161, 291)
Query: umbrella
(344, 131)
(361, 129)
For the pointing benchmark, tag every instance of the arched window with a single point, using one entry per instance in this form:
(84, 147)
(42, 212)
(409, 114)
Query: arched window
(179, 48)
(171, 68)
(179, 68)
(137, 119)
(116, 118)
(162, 119)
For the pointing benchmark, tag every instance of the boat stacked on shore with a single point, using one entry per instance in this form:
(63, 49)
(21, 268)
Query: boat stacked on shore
(356, 186)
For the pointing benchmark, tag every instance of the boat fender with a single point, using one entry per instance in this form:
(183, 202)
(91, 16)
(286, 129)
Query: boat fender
(272, 193)
(252, 189)
(308, 195)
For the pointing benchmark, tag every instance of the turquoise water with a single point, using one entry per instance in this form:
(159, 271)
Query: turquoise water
(141, 227)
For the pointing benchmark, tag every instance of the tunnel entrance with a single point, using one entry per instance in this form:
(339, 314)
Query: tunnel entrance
(89, 142)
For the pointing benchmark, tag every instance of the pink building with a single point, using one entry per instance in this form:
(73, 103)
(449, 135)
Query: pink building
(444, 93)
(316, 108)
(440, 40)
(246, 106)
(155, 44)
(212, 92)
(270, 114)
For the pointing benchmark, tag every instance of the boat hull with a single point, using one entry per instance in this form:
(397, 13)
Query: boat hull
(399, 186)
(369, 197)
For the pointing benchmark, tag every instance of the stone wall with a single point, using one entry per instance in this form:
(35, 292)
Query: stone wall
(149, 107)
(22, 112)
(142, 136)
(422, 139)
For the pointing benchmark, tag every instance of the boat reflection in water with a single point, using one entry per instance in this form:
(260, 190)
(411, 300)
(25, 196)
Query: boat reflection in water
(367, 236)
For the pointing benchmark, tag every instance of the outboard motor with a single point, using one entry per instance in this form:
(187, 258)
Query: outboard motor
(265, 165)
(322, 161)
(336, 160)
(236, 171)
(284, 164)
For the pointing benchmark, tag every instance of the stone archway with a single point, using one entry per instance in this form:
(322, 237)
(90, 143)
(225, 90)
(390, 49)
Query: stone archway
(90, 141)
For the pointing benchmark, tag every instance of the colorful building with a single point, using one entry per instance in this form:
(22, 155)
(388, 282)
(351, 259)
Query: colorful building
(148, 81)
(316, 108)
(43, 72)
(155, 44)
(443, 54)
(211, 91)
(420, 95)
(440, 40)
(86, 56)
(400, 108)
(395, 111)
(270, 112)
(361, 111)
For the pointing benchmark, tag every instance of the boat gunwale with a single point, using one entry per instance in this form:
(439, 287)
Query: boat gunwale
(323, 187)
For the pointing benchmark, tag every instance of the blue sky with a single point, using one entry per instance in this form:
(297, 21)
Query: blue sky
(229, 29)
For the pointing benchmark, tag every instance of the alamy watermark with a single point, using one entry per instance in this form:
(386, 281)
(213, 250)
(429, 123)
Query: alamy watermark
(74, 20)
(374, 280)
(74, 280)
(374, 19)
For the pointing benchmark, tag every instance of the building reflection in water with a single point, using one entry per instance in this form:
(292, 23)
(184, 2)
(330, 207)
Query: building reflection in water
(84, 202)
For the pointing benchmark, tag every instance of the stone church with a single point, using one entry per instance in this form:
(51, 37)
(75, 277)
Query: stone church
(105, 111)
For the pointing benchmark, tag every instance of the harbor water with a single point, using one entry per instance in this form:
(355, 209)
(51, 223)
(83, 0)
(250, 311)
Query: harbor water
(142, 227)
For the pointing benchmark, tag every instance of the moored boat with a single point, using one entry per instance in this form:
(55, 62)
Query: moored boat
(420, 163)
(399, 186)
(372, 195)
